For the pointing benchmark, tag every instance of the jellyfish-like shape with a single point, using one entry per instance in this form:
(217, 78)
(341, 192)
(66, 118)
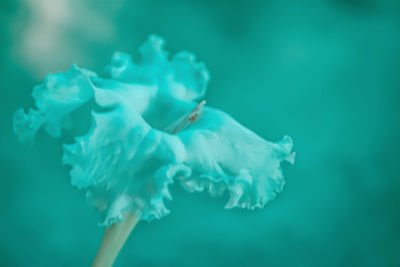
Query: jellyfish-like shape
(152, 130)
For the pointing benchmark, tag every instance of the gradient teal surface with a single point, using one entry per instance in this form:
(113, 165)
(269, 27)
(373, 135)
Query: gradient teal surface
(327, 73)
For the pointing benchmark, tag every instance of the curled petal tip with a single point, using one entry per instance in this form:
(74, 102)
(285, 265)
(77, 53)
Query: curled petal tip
(292, 157)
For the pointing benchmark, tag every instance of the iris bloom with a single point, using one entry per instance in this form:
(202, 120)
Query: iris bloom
(150, 129)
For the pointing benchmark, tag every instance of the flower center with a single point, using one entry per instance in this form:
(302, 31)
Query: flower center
(187, 120)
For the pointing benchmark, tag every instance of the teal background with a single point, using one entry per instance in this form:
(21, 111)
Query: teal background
(325, 72)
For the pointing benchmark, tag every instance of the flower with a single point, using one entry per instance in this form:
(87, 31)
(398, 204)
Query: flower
(150, 129)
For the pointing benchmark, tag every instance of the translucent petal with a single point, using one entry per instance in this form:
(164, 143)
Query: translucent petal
(55, 99)
(183, 76)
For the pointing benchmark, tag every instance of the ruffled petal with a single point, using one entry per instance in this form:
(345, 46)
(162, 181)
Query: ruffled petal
(224, 155)
(122, 162)
(55, 99)
(183, 77)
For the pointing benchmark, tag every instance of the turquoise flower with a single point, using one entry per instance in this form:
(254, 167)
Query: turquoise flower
(150, 128)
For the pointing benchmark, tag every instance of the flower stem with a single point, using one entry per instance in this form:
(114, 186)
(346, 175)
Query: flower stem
(113, 239)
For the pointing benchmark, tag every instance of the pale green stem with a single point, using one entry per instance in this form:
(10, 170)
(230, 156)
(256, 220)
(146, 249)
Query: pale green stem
(113, 239)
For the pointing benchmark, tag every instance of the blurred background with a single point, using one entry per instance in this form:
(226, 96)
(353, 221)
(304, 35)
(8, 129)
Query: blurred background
(325, 72)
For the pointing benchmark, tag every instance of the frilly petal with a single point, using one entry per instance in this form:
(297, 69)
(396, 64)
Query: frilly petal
(55, 98)
(183, 76)
(224, 155)
(122, 163)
